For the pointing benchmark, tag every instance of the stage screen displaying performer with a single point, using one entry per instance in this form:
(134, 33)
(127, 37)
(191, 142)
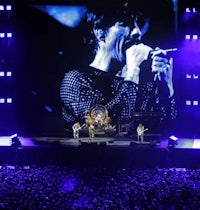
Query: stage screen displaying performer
(118, 54)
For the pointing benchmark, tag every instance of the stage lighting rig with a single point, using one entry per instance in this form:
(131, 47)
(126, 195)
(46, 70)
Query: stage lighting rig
(172, 141)
(15, 141)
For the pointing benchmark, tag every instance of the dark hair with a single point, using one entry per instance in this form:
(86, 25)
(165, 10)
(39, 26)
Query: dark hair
(103, 16)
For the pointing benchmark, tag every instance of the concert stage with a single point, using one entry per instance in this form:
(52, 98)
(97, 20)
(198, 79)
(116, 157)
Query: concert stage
(106, 152)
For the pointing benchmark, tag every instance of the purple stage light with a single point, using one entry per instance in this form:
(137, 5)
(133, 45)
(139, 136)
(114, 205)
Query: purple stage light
(2, 73)
(1, 7)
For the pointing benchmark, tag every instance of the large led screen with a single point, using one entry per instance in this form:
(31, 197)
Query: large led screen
(73, 56)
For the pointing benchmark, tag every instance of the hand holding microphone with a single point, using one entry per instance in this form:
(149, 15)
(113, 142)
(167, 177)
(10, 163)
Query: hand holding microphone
(161, 65)
(135, 55)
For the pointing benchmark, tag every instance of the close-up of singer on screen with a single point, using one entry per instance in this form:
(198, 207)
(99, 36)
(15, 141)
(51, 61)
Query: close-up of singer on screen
(125, 75)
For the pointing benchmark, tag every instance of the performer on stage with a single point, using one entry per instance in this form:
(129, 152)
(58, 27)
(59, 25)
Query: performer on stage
(140, 132)
(76, 128)
(99, 120)
(91, 131)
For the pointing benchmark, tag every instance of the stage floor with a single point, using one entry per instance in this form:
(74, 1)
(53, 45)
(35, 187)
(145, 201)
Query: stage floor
(182, 143)
(101, 152)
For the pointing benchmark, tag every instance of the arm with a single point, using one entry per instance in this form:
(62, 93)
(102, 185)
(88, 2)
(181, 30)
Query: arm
(161, 66)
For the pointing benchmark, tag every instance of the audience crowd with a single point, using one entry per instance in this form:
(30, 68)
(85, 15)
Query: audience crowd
(62, 187)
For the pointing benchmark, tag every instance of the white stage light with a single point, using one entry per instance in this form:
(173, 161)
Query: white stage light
(188, 103)
(187, 36)
(195, 103)
(173, 138)
(8, 73)
(2, 100)
(188, 76)
(9, 100)
(2, 35)
(187, 9)
(9, 35)
(8, 7)
(194, 10)
(195, 37)
(195, 76)
(173, 141)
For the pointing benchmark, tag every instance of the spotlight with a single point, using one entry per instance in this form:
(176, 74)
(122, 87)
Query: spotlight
(187, 9)
(187, 36)
(15, 142)
(9, 100)
(8, 7)
(9, 35)
(172, 142)
(194, 10)
(2, 35)
(195, 37)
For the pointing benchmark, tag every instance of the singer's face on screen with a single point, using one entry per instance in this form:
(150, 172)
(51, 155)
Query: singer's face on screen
(117, 37)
